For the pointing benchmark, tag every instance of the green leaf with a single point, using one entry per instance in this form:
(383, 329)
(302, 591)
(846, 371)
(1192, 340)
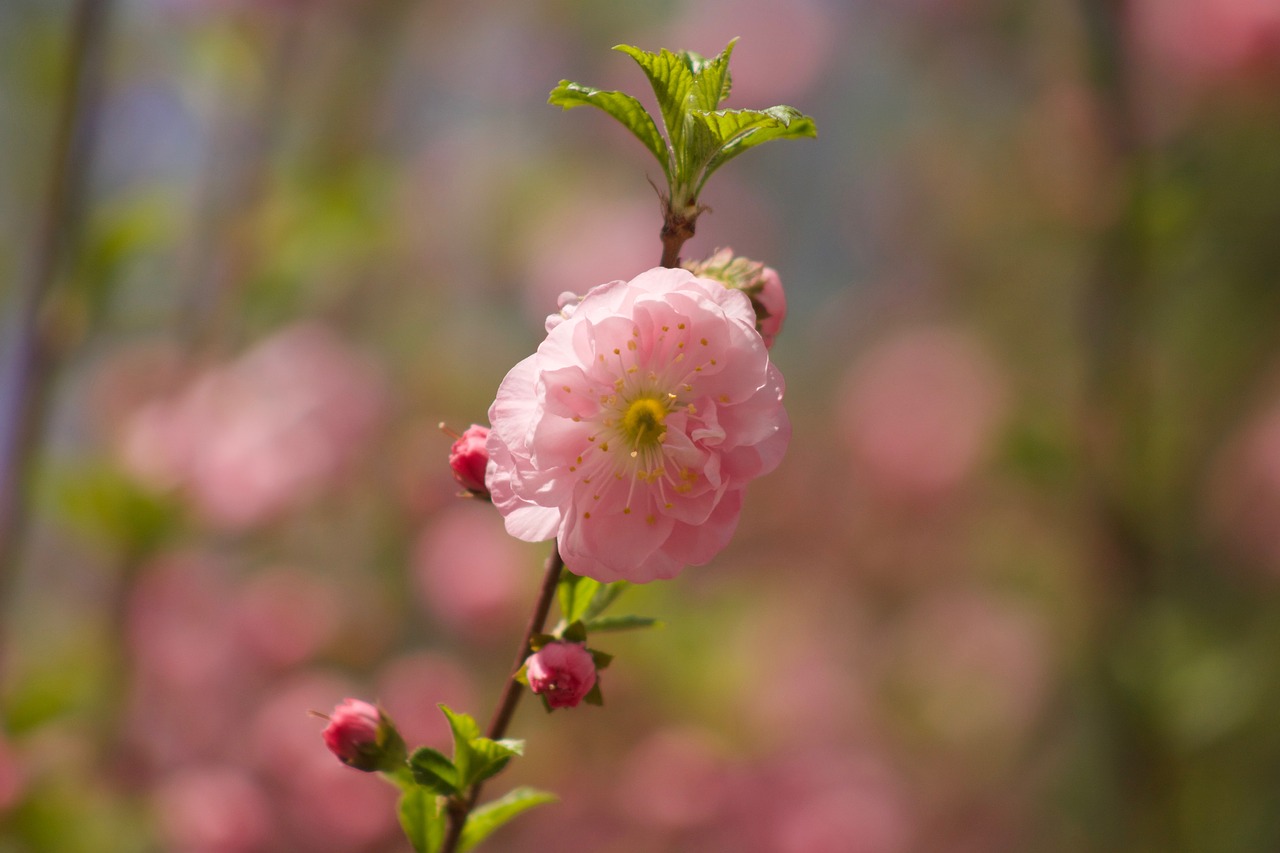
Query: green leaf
(671, 76)
(626, 109)
(605, 596)
(600, 659)
(483, 821)
(575, 633)
(738, 130)
(623, 623)
(575, 594)
(712, 80)
(465, 731)
(422, 820)
(537, 641)
(434, 771)
(594, 696)
(489, 757)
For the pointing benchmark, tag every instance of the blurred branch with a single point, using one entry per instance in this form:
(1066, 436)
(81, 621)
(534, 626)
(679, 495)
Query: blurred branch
(40, 343)
(1122, 489)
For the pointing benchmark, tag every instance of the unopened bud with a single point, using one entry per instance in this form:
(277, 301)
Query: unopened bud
(468, 459)
(562, 673)
(760, 283)
(363, 737)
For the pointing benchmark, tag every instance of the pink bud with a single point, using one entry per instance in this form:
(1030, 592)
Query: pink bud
(563, 673)
(770, 302)
(356, 734)
(468, 459)
(760, 283)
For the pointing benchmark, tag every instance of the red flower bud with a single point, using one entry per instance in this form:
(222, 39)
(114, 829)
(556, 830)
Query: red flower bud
(468, 459)
(362, 737)
(563, 673)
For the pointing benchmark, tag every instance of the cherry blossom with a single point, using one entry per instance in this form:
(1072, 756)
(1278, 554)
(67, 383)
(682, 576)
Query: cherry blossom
(633, 430)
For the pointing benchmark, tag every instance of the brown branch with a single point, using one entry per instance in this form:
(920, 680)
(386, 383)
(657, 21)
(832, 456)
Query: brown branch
(460, 808)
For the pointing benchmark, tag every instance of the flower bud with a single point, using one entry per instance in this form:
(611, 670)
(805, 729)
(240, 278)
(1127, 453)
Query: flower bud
(770, 302)
(760, 283)
(562, 673)
(362, 737)
(468, 459)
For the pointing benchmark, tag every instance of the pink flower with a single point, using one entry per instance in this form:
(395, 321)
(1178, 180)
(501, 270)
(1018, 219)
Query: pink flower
(468, 458)
(563, 673)
(359, 735)
(248, 440)
(633, 430)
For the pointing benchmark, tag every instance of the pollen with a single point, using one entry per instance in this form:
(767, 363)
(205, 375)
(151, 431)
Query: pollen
(703, 342)
(631, 345)
(586, 515)
(642, 424)
(626, 510)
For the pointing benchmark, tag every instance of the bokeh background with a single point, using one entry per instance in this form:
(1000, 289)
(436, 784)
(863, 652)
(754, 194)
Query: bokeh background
(1013, 589)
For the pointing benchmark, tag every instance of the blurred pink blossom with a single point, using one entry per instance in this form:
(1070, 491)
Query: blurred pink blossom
(213, 810)
(252, 438)
(827, 799)
(919, 411)
(13, 776)
(633, 430)
(285, 616)
(1244, 494)
(1207, 39)
(674, 779)
(973, 669)
(412, 687)
(468, 573)
(562, 673)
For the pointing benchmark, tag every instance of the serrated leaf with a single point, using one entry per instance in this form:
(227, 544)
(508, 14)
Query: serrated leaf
(434, 771)
(739, 130)
(672, 80)
(623, 623)
(421, 820)
(465, 730)
(575, 594)
(483, 821)
(489, 757)
(712, 79)
(623, 107)
(606, 595)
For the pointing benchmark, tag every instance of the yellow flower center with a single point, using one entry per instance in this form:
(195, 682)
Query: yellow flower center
(642, 423)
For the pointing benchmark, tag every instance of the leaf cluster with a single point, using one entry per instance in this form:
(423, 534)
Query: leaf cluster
(697, 137)
(435, 779)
